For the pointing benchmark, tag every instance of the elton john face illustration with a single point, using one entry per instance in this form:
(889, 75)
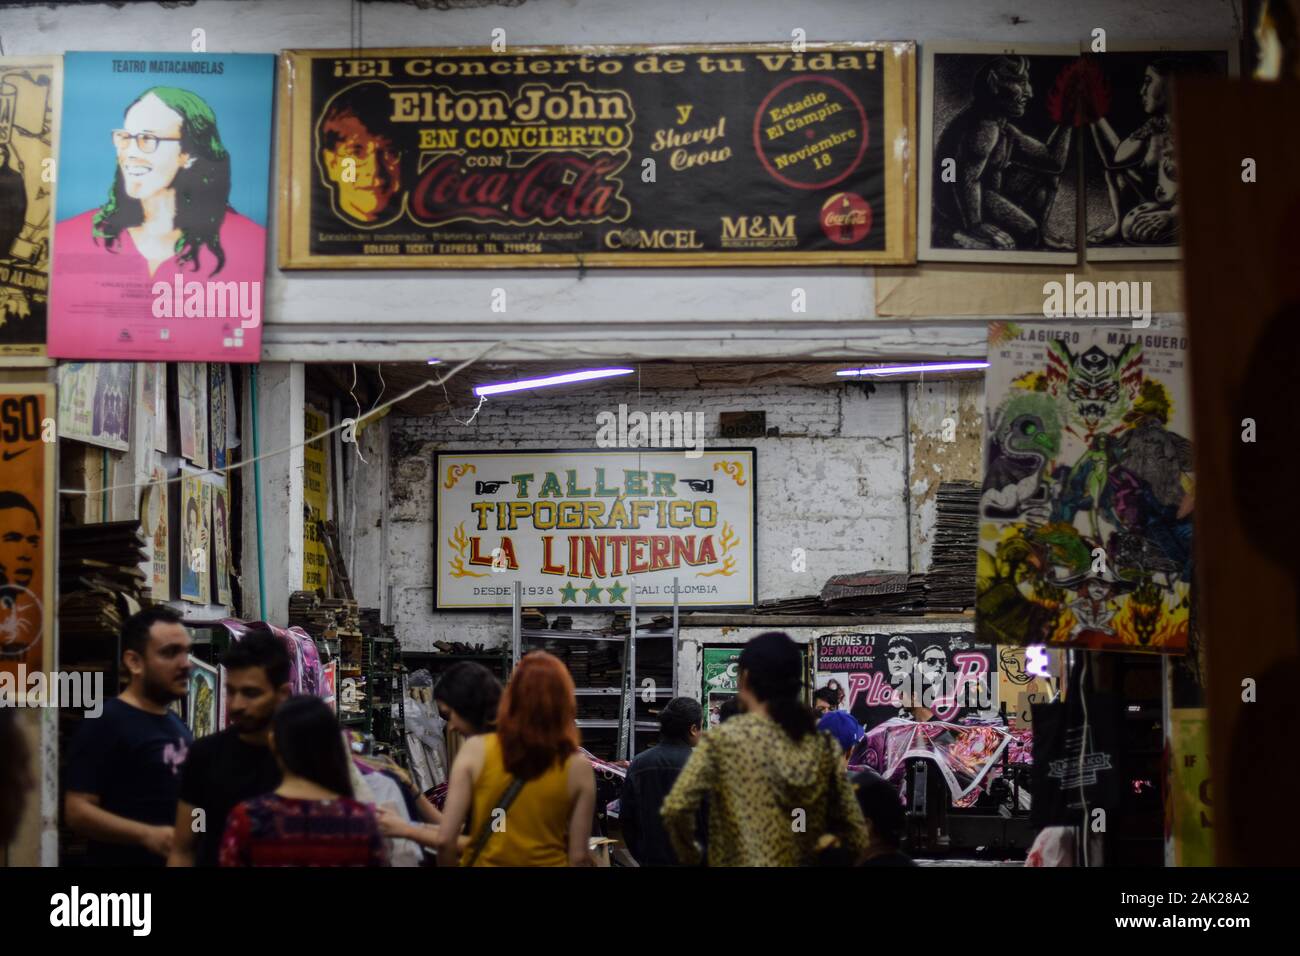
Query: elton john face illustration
(360, 155)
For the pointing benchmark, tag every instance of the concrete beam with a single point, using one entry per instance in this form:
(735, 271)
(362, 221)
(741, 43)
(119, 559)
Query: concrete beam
(280, 424)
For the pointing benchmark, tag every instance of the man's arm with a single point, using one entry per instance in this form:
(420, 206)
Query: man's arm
(182, 853)
(680, 806)
(629, 816)
(1049, 156)
(85, 816)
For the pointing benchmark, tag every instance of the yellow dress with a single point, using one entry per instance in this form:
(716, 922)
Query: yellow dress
(535, 829)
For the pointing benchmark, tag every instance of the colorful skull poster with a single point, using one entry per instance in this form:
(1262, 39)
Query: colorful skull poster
(1086, 510)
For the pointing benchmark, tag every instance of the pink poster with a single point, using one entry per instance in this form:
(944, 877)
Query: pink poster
(160, 235)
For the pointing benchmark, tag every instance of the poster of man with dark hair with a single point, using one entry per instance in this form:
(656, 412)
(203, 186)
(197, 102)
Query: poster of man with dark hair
(999, 154)
(27, 476)
(1130, 173)
(29, 101)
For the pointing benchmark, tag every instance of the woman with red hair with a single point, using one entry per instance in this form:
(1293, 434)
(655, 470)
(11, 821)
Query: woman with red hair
(528, 791)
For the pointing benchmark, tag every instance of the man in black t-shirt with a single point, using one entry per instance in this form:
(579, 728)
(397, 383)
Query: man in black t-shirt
(124, 766)
(235, 764)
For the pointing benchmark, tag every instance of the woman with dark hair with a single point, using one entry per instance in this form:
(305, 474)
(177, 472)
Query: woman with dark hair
(169, 200)
(1141, 176)
(531, 791)
(467, 696)
(778, 794)
(311, 819)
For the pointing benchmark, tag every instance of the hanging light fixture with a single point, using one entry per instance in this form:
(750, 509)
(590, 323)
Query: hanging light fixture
(585, 375)
(911, 369)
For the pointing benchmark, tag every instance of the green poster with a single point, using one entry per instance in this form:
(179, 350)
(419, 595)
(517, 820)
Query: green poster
(1189, 789)
(720, 679)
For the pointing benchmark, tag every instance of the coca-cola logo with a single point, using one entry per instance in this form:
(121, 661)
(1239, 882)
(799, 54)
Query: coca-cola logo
(561, 187)
(846, 218)
(855, 218)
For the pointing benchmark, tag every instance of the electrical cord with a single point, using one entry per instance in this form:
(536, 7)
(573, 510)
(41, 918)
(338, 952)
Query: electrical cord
(431, 383)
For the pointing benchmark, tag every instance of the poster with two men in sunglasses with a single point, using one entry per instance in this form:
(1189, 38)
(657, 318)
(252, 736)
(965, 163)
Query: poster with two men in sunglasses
(161, 207)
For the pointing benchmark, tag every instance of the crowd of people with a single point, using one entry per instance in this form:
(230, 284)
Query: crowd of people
(279, 786)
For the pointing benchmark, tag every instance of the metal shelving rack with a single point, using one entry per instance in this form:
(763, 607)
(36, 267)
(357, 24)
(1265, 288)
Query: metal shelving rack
(630, 689)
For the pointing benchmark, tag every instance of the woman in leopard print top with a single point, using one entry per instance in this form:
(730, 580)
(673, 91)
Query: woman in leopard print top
(776, 787)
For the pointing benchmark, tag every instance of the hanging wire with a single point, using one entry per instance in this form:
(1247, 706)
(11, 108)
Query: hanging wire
(430, 383)
(356, 401)
(383, 387)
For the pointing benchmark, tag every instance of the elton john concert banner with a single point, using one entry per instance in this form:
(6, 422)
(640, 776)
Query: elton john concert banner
(1086, 510)
(581, 529)
(160, 232)
(795, 153)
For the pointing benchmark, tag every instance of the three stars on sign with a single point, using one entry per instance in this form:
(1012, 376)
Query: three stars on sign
(569, 593)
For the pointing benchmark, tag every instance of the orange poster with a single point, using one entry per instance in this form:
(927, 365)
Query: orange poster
(26, 532)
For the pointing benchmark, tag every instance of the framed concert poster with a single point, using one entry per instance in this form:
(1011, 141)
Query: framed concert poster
(29, 105)
(457, 158)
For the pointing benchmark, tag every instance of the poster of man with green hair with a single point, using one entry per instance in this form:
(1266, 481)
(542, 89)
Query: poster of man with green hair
(160, 233)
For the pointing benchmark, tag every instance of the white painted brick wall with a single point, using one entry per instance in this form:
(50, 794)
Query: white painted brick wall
(832, 483)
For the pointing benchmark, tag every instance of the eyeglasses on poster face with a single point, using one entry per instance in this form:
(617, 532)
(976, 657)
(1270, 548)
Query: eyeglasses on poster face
(145, 142)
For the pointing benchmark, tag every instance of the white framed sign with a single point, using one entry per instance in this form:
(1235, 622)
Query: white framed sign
(581, 528)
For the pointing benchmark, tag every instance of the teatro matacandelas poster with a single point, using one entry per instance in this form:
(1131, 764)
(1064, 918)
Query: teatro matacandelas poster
(1087, 504)
(161, 213)
(598, 156)
(580, 529)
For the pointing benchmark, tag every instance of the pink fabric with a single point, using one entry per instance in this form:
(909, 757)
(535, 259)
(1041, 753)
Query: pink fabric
(102, 302)
(969, 756)
(306, 675)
